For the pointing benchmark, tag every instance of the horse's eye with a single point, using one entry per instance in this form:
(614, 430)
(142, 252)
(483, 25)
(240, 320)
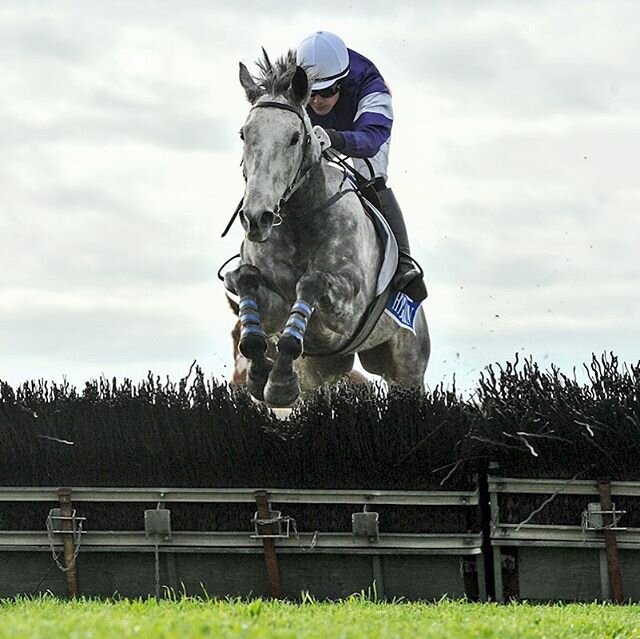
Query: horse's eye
(241, 134)
(294, 138)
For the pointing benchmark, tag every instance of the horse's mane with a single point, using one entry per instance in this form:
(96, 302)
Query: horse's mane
(275, 77)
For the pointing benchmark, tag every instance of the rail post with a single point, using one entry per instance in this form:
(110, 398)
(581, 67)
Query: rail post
(613, 561)
(68, 542)
(270, 556)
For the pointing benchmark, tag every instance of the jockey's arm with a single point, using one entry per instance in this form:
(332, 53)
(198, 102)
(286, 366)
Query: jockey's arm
(371, 126)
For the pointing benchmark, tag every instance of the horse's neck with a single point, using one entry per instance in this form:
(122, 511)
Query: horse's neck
(311, 194)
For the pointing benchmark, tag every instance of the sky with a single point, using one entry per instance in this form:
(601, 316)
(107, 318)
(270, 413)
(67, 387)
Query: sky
(513, 156)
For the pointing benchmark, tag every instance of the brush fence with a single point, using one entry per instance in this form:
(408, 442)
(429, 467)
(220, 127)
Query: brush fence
(268, 558)
(595, 558)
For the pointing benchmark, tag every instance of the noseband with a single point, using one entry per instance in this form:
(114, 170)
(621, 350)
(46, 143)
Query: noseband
(300, 176)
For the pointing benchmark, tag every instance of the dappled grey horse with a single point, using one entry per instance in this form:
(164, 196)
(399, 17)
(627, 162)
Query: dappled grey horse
(310, 258)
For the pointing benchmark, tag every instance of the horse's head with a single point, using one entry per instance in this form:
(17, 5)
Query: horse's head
(279, 146)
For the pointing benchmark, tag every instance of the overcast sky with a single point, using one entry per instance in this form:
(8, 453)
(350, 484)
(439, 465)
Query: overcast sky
(514, 156)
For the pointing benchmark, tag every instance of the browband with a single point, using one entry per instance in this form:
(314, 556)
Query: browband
(280, 105)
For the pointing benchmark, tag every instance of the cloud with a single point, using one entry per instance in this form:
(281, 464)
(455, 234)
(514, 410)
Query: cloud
(513, 158)
(518, 60)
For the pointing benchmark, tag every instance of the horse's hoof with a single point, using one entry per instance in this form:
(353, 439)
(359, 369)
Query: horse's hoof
(257, 378)
(257, 394)
(281, 394)
(252, 346)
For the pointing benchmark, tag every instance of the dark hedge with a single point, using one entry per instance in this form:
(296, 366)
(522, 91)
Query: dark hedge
(531, 422)
(209, 434)
(199, 432)
(545, 424)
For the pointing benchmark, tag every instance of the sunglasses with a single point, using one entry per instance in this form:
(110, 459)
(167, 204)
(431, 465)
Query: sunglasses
(328, 92)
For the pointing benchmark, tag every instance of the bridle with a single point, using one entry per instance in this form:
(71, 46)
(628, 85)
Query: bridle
(301, 175)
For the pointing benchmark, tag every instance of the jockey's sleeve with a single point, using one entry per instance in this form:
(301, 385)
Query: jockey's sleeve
(371, 126)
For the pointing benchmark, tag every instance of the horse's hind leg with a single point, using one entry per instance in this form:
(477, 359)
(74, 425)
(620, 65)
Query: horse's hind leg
(403, 359)
(253, 343)
(316, 371)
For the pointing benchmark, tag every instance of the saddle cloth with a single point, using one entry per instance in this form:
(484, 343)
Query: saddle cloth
(389, 244)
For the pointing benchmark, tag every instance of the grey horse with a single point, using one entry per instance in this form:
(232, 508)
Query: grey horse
(310, 259)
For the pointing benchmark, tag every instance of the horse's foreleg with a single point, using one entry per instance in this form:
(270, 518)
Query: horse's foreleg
(253, 343)
(283, 388)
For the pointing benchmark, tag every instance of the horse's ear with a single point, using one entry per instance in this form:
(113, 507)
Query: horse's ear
(253, 90)
(299, 89)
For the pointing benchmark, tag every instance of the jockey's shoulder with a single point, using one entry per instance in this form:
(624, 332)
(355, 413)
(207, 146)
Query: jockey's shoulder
(364, 75)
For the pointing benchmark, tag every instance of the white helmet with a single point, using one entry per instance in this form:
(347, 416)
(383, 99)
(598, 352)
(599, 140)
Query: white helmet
(328, 56)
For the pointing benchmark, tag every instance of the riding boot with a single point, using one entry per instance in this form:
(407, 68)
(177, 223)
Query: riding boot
(409, 276)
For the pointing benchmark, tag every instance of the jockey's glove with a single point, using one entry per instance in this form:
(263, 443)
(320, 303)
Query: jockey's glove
(329, 138)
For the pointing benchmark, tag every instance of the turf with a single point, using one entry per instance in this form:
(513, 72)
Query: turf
(354, 618)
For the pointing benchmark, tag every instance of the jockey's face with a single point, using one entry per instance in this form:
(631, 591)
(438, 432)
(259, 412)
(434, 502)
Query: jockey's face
(322, 106)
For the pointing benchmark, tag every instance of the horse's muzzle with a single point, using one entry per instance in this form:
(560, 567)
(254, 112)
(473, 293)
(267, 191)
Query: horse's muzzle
(257, 227)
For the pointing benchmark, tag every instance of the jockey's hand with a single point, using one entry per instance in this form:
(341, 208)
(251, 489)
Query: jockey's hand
(329, 138)
(323, 137)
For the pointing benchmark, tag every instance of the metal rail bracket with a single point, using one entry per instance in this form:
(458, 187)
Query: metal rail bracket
(55, 521)
(593, 517)
(157, 523)
(280, 526)
(365, 524)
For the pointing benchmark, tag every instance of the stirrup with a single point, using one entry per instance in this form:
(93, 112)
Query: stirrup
(411, 280)
(411, 283)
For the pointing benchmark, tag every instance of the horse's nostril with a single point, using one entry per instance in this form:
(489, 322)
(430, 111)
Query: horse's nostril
(266, 219)
(257, 225)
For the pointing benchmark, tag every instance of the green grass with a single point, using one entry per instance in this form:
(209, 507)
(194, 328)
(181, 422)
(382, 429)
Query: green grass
(354, 618)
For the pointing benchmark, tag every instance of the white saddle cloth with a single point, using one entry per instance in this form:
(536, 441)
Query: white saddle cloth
(390, 256)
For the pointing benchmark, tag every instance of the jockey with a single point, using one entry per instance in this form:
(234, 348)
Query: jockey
(350, 108)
